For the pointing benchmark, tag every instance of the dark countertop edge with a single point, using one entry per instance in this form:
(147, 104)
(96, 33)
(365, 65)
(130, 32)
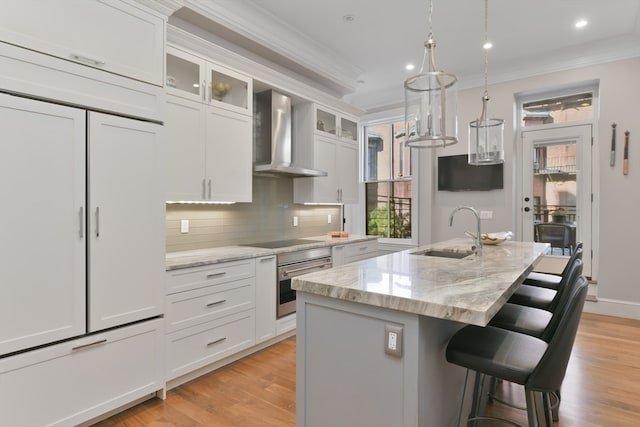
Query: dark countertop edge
(199, 257)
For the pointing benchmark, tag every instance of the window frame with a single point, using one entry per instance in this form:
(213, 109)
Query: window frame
(412, 178)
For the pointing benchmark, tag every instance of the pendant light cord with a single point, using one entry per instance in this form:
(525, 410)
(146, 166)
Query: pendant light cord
(486, 51)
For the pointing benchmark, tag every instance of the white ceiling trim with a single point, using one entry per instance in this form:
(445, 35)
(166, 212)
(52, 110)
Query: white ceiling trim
(248, 19)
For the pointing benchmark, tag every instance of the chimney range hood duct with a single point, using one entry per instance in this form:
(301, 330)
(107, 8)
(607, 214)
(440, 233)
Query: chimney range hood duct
(272, 143)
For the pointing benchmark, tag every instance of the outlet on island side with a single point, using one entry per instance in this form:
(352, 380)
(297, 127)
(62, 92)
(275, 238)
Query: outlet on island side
(184, 226)
(393, 340)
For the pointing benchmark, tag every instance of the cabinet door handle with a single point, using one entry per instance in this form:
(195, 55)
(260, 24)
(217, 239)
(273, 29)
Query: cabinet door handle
(216, 341)
(271, 258)
(81, 346)
(211, 304)
(220, 273)
(81, 217)
(204, 89)
(209, 189)
(204, 186)
(98, 221)
(87, 60)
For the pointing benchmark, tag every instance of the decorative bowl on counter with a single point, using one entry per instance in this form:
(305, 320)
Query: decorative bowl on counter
(492, 238)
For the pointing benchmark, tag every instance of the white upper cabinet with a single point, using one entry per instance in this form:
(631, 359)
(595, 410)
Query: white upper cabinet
(42, 243)
(118, 36)
(334, 123)
(126, 221)
(209, 131)
(195, 78)
(327, 141)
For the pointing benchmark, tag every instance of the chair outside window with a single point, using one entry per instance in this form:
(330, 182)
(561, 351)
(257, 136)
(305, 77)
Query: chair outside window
(558, 235)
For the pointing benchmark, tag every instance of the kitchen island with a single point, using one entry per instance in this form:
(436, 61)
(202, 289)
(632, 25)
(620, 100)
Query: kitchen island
(346, 374)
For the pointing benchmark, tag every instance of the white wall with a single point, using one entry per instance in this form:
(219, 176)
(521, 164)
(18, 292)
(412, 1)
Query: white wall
(618, 195)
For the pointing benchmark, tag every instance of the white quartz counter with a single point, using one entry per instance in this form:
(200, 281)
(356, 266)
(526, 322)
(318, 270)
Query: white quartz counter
(198, 257)
(469, 290)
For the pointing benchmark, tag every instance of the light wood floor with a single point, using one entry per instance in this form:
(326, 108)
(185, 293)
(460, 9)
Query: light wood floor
(602, 387)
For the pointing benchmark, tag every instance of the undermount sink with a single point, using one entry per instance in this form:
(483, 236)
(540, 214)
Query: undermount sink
(443, 253)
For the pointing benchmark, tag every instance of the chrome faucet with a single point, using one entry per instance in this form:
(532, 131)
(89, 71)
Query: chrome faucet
(478, 246)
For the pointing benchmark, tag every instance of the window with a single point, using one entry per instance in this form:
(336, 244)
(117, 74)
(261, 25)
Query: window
(558, 109)
(387, 176)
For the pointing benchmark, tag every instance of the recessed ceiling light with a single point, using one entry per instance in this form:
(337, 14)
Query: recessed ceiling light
(488, 45)
(409, 67)
(581, 23)
(349, 17)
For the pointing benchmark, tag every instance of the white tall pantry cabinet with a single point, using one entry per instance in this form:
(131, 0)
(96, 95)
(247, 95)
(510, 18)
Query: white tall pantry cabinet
(42, 232)
(82, 219)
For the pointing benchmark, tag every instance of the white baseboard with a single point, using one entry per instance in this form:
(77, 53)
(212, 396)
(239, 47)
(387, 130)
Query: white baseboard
(611, 307)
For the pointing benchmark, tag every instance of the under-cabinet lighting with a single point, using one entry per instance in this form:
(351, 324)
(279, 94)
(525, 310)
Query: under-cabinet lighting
(187, 202)
(581, 23)
(322, 204)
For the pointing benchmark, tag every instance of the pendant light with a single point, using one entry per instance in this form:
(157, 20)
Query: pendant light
(430, 102)
(486, 146)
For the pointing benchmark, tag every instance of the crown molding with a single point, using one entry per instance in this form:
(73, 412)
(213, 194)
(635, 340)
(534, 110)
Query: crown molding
(252, 22)
(266, 74)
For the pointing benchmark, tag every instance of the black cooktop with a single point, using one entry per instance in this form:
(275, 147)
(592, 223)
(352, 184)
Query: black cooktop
(281, 243)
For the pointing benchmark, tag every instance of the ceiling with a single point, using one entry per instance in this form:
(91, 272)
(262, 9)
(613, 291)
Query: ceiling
(363, 60)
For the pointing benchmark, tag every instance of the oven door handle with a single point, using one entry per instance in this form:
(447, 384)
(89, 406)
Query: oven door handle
(309, 267)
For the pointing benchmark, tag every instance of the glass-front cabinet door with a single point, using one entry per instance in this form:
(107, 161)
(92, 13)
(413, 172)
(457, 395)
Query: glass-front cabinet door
(189, 76)
(228, 87)
(335, 124)
(185, 75)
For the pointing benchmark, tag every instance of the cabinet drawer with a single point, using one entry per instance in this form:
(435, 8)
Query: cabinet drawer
(190, 308)
(73, 382)
(214, 274)
(357, 251)
(195, 347)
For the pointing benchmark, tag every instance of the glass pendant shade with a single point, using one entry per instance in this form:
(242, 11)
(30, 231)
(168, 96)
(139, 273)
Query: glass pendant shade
(486, 145)
(430, 106)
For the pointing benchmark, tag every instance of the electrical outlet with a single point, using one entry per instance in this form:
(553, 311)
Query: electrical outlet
(393, 340)
(295, 220)
(184, 226)
(329, 219)
(486, 214)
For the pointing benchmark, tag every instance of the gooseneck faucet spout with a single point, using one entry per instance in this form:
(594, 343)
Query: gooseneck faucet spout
(478, 233)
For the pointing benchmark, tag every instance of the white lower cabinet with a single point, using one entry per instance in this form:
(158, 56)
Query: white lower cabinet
(69, 383)
(266, 280)
(351, 252)
(198, 346)
(210, 314)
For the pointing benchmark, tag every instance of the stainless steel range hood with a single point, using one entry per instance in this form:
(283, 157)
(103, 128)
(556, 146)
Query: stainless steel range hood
(272, 138)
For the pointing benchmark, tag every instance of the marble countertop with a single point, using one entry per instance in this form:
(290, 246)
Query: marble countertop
(198, 257)
(468, 290)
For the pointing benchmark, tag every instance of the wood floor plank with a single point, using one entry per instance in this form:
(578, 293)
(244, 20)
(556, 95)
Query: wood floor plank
(601, 388)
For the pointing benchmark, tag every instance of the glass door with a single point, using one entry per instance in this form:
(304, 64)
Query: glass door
(556, 188)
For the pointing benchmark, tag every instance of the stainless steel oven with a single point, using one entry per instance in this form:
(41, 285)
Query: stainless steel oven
(293, 264)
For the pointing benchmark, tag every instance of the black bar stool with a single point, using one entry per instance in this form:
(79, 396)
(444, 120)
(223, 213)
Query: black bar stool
(551, 281)
(541, 297)
(538, 365)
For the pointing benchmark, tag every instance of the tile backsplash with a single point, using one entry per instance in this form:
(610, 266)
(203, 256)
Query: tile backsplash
(268, 217)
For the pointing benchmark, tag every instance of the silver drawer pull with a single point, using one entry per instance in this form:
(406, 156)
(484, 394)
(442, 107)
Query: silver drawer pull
(88, 60)
(271, 258)
(363, 248)
(219, 340)
(78, 347)
(211, 304)
(218, 274)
